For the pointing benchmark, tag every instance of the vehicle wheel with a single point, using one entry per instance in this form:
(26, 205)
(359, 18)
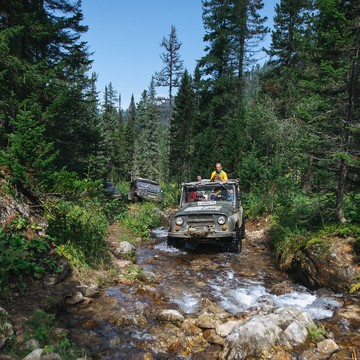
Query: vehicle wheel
(235, 243)
(135, 199)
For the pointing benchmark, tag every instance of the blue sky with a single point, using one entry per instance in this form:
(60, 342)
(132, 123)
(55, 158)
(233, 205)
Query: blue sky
(125, 38)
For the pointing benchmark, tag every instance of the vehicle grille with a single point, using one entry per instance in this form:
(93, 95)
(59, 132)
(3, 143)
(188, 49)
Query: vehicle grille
(201, 219)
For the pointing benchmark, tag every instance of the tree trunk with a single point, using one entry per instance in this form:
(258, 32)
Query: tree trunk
(341, 192)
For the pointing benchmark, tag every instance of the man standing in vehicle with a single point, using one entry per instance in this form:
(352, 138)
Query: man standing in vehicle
(219, 173)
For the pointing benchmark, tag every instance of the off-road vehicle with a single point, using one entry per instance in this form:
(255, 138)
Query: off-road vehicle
(144, 189)
(210, 212)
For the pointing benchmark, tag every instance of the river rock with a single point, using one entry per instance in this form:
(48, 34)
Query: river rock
(170, 316)
(323, 350)
(350, 312)
(90, 290)
(74, 299)
(214, 309)
(147, 276)
(285, 287)
(259, 336)
(212, 337)
(207, 321)
(122, 264)
(225, 329)
(190, 328)
(331, 264)
(124, 247)
(34, 355)
(6, 329)
(31, 344)
(50, 356)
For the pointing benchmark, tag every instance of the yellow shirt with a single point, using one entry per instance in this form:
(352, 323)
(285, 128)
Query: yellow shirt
(222, 174)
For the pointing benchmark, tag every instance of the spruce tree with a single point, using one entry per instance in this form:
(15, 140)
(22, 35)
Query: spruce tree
(170, 74)
(129, 138)
(182, 132)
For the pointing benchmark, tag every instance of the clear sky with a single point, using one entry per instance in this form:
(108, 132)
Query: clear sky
(125, 36)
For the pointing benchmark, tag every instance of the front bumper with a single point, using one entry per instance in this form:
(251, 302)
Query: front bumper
(201, 235)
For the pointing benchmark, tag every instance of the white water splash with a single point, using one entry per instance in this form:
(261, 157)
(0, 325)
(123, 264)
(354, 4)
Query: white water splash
(168, 249)
(187, 302)
(160, 232)
(247, 296)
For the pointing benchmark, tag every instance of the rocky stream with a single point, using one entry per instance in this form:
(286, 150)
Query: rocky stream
(202, 303)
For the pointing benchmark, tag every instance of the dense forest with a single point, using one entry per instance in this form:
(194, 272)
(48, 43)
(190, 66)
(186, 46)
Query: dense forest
(288, 130)
(288, 127)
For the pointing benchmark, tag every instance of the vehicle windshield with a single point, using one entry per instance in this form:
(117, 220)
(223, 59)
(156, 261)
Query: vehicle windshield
(208, 193)
(148, 186)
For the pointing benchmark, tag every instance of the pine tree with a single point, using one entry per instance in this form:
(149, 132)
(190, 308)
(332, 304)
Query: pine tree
(129, 138)
(289, 51)
(170, 74)
(43, 70)
(182, 132)
(339, 84)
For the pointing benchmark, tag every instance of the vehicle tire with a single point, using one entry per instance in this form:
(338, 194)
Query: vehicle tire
(235, 244)
(135, 199)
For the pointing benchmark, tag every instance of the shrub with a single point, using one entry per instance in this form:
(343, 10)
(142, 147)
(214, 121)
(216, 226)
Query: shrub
(142, 218)
(171, 192)
(22, 256)
(81, 228)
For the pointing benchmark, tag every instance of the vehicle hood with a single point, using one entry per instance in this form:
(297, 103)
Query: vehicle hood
(199, 208)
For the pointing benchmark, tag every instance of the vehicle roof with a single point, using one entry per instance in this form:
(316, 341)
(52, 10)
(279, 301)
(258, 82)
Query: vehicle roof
(147, 180)
(208, 182)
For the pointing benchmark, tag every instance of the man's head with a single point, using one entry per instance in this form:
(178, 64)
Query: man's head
(198, 178)
(218, 167)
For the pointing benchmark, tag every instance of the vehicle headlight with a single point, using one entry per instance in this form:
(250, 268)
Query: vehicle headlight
(221, 220)
(179, 221)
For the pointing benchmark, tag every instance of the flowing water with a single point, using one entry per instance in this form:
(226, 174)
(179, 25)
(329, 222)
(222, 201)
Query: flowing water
(121, 323)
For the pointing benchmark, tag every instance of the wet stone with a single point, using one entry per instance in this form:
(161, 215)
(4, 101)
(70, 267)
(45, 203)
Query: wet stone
(189, 327)
(225, 329)
(74, 299)
(170, 316)
(207, 321)
(147, 276)
(285, 287)
(212, 337)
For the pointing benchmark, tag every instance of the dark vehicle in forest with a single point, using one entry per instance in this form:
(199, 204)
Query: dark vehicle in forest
(110, 190)
(144, 189)
(210, 212)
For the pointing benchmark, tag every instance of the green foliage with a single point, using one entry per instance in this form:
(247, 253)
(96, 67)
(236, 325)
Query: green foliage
(316, 331)
(171, 192)
(22, 256)
(40, 326)
(142, 218)
(69, 183)
(81, 227)
(29, 155)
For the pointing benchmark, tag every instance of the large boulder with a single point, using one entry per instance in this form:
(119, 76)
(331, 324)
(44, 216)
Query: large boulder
(329, 263)
(262, 335)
